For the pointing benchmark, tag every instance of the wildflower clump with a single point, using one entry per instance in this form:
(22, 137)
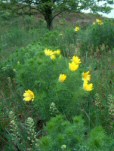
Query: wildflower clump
(62, 78)
(28, 96)
(74, 65)
(52, 54)
(86, 77)
(77, 29)
(87, 86)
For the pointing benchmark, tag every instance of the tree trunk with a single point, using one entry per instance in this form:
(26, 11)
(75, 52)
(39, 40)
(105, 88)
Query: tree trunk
(49, 24)
(48, 17)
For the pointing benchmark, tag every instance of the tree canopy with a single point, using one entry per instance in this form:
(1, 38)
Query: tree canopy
(52, 8)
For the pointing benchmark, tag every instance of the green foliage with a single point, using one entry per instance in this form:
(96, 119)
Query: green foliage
(63, 135)
(29, 68)
(97, 138)
(50, 9)
(39, 73)
(69, 134)
(97, 38)
(59, 134)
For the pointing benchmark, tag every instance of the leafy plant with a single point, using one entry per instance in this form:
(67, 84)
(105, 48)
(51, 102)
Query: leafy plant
(97, 38)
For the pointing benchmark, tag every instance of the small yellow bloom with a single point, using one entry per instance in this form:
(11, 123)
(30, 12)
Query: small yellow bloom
(73, 66)
(87, 86)
(57, 52)
(77, 28)
(62, 77)
(53, 57)
(28, 96)
(48, 52)
(100, 22)
(86, 76)
(76, 60)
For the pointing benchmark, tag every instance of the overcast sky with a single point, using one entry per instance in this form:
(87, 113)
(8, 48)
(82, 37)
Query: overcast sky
(109, 15)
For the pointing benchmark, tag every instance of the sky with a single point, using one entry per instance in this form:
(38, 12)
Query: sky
(109, 15)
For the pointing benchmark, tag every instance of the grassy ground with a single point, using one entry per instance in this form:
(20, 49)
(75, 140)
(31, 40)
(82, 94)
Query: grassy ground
(17, 32)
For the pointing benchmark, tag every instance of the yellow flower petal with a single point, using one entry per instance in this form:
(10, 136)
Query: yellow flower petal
(86, 76)
(53, 57)
(28, 96)
(77, 28)
(48, 52)
(99, 22)
(76, 60)
(62, 77)
(73, 66)
(57, 52)
(87, 86)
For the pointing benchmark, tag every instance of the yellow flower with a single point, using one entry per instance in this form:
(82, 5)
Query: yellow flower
(48, 52)
(28, 96)
(100, 22)
(86, 76)
(62, 77)
(57, 52)
(87, 86)
(77, 28)
(76, 60)
(53, 57)
(73, 66)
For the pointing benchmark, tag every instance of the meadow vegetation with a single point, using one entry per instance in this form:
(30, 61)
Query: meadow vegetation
(56, 87)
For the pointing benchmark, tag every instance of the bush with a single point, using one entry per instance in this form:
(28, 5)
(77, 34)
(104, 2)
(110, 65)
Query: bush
(65, 136)
(96, 37)
(37, 72)
(40, 74)
(60, 134)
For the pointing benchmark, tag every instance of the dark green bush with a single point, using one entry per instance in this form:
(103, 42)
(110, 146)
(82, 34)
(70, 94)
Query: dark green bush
(66, 136)
(96, 37)
(40, 74)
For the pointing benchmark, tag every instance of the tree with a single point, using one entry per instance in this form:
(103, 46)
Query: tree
(52, 8)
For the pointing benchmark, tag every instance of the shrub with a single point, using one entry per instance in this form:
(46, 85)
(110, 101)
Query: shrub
(63, 135)
(59, 134)
(41, 76)
(37, 72)
(95, 37)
